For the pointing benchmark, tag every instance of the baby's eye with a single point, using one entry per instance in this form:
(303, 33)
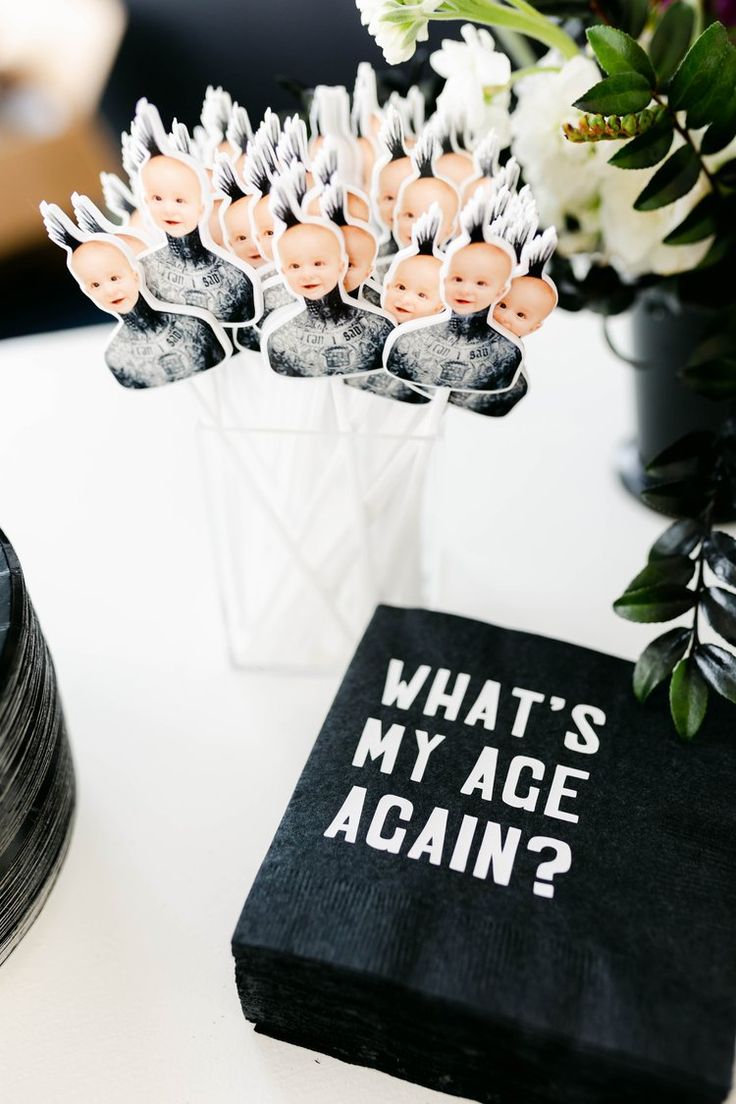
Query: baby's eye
(401, 287)
(293, 265)
(179, 199)
(502, 306)
(422, 295)
(114, 278)
(457, 279)
(157, 198)
(242, 237)
(318, 264)
(520, 314)
(95, 284)
(481, 283)
(351, 264)
(269, 233)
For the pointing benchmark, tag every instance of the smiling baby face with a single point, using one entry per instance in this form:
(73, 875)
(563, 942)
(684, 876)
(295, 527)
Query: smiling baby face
(477, 275)
(173, 195)
(413, 290)
(310, 260)
(106, 275)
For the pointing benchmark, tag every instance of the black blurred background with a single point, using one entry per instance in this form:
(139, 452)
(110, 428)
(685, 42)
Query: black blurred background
(261, 51)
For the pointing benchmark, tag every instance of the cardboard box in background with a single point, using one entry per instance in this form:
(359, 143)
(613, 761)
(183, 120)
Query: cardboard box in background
(62, 53)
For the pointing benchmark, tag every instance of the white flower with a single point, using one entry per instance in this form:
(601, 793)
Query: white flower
(564, 176)
(397, 25)
(476, 82)
(632, 240)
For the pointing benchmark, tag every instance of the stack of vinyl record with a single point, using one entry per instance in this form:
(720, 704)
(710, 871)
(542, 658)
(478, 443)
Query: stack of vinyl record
(501, 877)
(36, 773)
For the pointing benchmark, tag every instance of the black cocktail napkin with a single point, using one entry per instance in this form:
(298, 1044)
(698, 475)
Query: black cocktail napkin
(501, 877)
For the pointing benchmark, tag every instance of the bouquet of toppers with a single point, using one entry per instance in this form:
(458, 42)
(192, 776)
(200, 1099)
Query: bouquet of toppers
(392, 254)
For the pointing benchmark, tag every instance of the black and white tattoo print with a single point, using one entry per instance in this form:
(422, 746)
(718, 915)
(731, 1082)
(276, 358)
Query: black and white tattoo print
(461, 352)
(152, 347)
(325, 337)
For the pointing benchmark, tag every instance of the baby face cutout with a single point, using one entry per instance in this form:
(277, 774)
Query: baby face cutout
(457, 167)
(173, 195)
(413, 290)
(390, 179)
(416, 198)
(360, 246)
(310, 260)
(106, 275)
(238, 233)
(476, 276)
(263, 228)
(525, 306)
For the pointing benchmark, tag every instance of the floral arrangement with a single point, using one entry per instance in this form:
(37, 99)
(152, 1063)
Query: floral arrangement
(622, 115)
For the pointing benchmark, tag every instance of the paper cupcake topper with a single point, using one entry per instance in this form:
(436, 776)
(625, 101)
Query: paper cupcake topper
(366, 120)
(485, 165)
(329, 117)
(393, 166)
(411, 108)
(423, 187)
(454, 163)
(235, 213)
(411, 287)
(324, 333)
(462, 348)
(217, 110)
(260, 169)
(189, 268)
(239, 134)
(361, 244)
(324, 170)
(154, 343)
(532, 296)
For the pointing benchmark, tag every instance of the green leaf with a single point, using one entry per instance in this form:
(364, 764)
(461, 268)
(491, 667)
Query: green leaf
(621, 94)
(669, 569)
(634, 16)
(688, 698)
(684, 497)
(647, 149)
(718, 667)
(658, 660)
(618, 52)
(679, 539)
(699, 68)
(720, 134)
(716, 379)
(674, 179)
(671, 38)
(719, 606)
(720, 554)
(699, 224)
(713, 107)
(655, 603)
(683, 457)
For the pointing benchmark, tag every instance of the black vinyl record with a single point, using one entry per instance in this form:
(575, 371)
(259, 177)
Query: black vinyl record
(36, 773)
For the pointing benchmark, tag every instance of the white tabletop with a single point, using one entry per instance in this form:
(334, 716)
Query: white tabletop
(123, 990)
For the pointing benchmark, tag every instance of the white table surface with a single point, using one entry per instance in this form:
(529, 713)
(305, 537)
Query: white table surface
(123, 990)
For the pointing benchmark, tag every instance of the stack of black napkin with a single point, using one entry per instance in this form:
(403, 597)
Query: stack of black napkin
(501, 877)
(36, 774)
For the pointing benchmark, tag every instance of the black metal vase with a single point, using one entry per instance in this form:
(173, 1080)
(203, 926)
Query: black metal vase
(658, 336)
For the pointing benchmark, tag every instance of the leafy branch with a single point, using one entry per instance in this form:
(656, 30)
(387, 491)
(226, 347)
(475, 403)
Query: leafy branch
(698, 473)
(643, 98)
